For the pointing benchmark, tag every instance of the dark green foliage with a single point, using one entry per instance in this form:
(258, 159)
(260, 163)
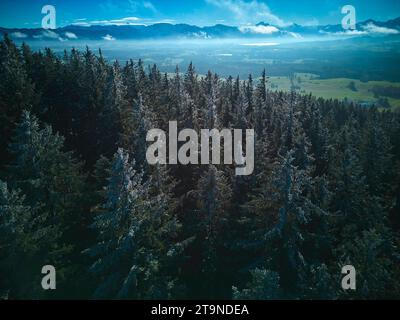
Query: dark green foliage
(131, 253)
(16, 236)
(325, 191)
(53, 186)
(16, 91)
(264, 285)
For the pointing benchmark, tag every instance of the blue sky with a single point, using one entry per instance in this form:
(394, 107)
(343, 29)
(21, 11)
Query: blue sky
(27, 13)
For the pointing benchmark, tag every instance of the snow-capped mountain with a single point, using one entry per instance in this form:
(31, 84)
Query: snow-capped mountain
(165, 30)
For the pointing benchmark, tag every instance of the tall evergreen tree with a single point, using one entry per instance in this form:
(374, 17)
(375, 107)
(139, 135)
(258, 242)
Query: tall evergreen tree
(16, 91)
(130, 255)
(213, 195)
(54, 187)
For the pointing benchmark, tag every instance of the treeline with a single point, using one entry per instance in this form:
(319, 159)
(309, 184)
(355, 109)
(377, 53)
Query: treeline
(386, 91)
(76, 191)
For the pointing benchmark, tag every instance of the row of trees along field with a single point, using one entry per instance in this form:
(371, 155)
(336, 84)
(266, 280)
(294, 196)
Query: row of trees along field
(76, 191)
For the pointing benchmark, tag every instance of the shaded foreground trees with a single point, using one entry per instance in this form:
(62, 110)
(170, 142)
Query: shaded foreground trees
(76, 191)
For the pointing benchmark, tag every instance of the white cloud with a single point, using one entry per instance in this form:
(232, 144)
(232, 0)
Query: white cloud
(295, 35)
(134, 6)
(248, 11)
(81, 24)
(149, 6)
(260, 44)
(200, 35)
(354, 32)
(130, 19)
(127, 21)
(109, 37)
(47, 34)
(71, 35)
(19, 35)
(345, 33)
(371, 28)
(259, 29)
(171, 21)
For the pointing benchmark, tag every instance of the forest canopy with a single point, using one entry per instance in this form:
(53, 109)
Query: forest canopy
(77, 192)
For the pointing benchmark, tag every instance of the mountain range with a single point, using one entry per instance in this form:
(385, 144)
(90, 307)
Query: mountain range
(185, 31)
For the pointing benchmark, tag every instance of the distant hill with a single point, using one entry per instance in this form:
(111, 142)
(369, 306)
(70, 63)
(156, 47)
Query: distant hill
(165, 30)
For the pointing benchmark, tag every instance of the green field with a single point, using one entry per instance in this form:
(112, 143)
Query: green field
(340, 88)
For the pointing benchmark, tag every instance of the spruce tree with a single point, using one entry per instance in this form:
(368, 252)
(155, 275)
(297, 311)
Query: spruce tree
(16, 91)
(53, 185)
(131, 253)
(212, 213)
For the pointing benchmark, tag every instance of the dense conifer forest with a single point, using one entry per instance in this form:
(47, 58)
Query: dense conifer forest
(77, 192)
